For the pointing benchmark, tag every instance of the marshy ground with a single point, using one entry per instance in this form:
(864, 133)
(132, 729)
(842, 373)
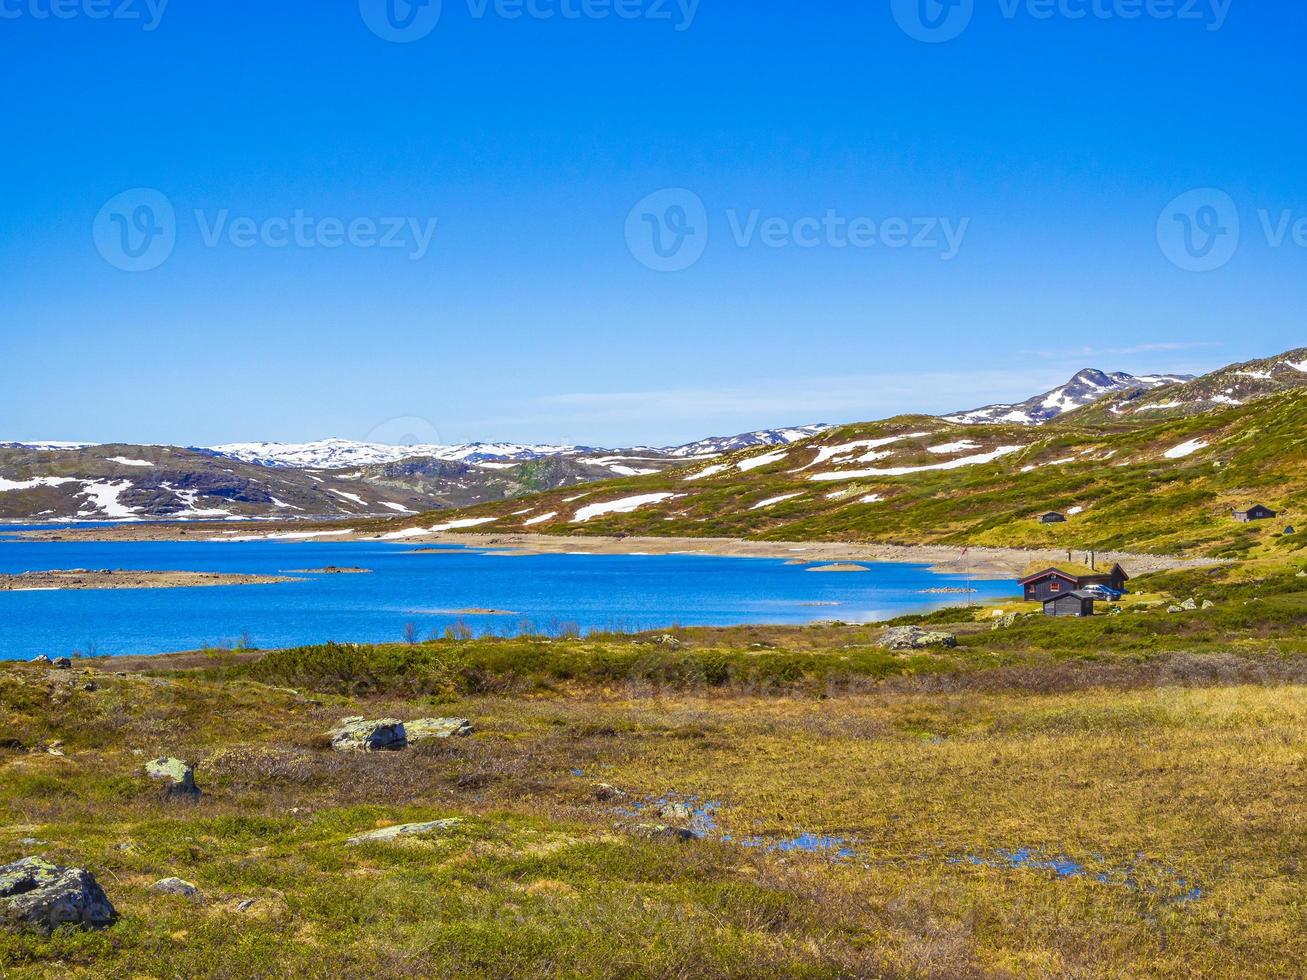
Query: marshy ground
(1116, 797)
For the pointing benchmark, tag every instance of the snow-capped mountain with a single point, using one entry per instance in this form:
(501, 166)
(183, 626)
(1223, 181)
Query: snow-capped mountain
(333, 454)
(1236, 384)
(343, 453)
(729, 444)
(1087, 387)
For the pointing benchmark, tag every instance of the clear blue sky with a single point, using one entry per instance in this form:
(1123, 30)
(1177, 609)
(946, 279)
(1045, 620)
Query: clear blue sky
(1058, 140)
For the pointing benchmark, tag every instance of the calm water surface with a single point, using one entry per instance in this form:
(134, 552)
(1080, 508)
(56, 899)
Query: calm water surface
(544, 592)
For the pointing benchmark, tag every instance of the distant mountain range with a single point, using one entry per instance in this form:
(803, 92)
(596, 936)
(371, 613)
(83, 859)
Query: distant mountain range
(337, 478)
(1085, 388)
(332, 478)
(338, 453)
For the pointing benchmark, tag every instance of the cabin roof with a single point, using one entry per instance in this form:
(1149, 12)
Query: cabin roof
(1070, 570)
(1077, 594)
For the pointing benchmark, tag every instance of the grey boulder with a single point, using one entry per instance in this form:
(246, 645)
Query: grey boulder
(35, 894)
(175, 886)
(177, 776)
(369, 735)
(915, 638)
(425, 729)
(404, 830)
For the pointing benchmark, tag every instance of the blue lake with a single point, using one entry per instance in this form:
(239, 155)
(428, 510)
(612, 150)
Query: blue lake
(545, 593)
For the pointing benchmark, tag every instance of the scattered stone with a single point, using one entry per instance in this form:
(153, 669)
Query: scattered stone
(915, 638)
(658, 831)
(1208, 604)
(363, 735)
(425, 729)
(404, 830)
(1115, 611)
(675, 811)
(62, 663)
(1174, 609)
(605, 793)
(1006, 621)
(667, 640)
(41, 659)
(55, 748)
(245, 904)
(36, 894)
(175, 886)
(90, 686)
(1189, 605)
(177, 776)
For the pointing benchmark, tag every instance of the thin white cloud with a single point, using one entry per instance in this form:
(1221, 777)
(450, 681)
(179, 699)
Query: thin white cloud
(1090, 351)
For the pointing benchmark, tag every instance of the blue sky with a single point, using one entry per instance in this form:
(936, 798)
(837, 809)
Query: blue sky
(1049, 145)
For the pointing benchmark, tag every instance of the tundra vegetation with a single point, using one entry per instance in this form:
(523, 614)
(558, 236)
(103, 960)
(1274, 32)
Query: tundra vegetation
(1118, 796)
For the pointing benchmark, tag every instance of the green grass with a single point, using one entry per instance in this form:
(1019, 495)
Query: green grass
(1163, 753)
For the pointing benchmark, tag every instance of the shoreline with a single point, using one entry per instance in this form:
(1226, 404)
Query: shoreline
(76, 579)
(981, 563)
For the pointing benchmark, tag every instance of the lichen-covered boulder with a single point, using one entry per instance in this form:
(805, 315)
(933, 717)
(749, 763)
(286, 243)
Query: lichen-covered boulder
(369, 735)
(426, 729)
(176, 775)
(404, 830)
(915, 638)
(36, 894)
(175, 886)
(1189, 605)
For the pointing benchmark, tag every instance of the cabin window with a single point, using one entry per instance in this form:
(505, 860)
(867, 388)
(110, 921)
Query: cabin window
(1055, 587)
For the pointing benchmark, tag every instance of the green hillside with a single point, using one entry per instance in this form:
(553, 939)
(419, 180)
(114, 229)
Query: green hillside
(1126, 482)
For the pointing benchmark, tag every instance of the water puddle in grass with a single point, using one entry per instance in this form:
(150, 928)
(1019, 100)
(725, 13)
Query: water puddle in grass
(1142, 876)
(701, 818)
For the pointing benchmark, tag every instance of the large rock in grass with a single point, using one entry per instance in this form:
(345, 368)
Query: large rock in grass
(404, 830)
(177, 777)
(369, 735)
(658, 831)
(915, 638)
(425, 729)
(35, 894)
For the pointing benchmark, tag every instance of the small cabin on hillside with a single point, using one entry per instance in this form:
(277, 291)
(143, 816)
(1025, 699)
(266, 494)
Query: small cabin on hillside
(1049, 583)
(1077, 603)
(1257, 512)
(1052, 517)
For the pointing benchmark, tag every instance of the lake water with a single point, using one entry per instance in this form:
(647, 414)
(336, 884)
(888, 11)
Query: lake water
(545, 593)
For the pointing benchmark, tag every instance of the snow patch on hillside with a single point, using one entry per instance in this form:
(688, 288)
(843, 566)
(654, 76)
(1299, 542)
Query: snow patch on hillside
(952, 464)
(1185, 449)
(624, 506)
(124, 461)
(771, 501)
(758, 462)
